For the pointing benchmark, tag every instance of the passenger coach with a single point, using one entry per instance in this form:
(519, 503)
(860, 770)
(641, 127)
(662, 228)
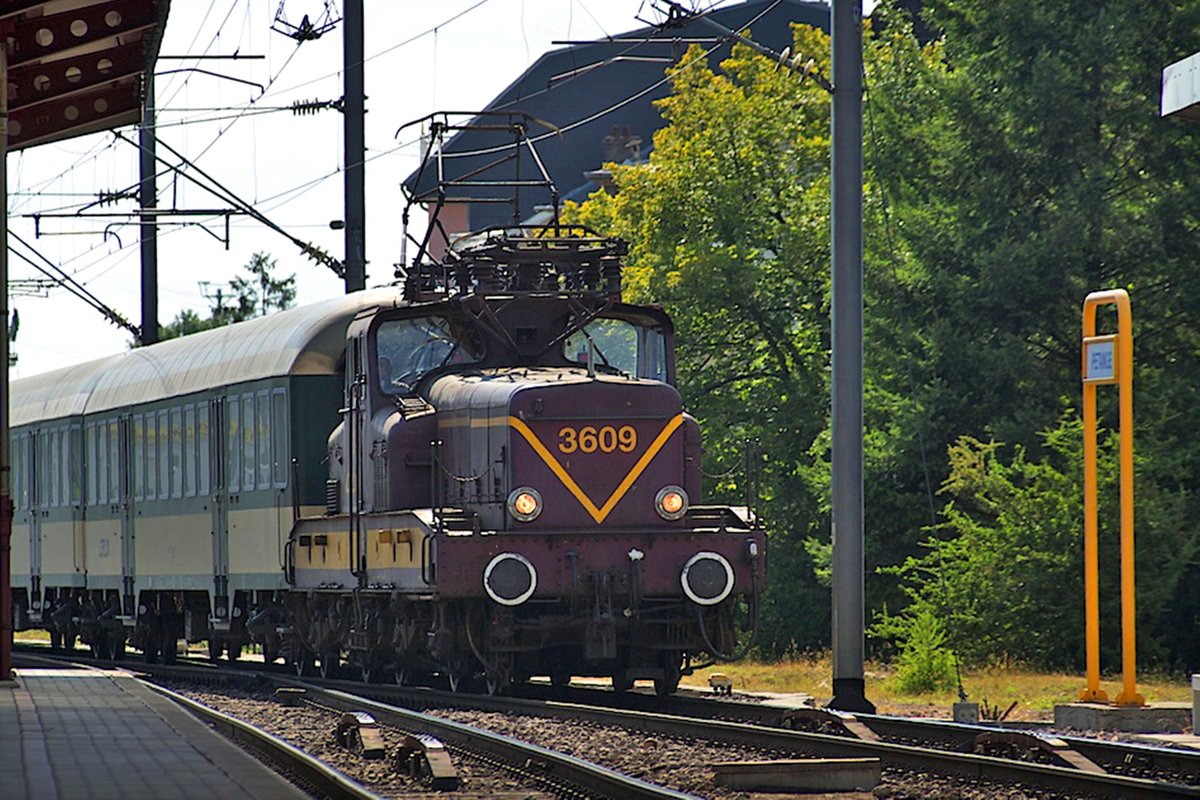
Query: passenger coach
(155, 490)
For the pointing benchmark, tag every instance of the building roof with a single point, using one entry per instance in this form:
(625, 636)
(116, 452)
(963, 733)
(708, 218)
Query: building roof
(602, 90)
(308, 340)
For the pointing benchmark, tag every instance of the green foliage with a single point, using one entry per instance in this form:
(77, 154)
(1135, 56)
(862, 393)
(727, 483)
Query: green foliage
(247, 296)
(728, 225)
(925, 663)
(1013, 165)
(1006, 566)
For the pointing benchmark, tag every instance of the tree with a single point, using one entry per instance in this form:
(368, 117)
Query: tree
(728, 228)
(1025, 165)
(256, 294)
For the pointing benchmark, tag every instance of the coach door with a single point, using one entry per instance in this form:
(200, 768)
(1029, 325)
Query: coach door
(36, 442)
(120, 477)
(217, 422)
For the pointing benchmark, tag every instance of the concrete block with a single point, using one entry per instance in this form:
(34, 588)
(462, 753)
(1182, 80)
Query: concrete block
(1151, 718)
(799, 775)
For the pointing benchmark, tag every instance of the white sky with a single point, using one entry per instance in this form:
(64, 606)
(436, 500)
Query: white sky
(285, 165)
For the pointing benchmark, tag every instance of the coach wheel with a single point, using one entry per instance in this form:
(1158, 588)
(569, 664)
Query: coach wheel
(168, 647)
(270, 652)
(100, 646)
(56, 639)
(150, 649)
(621, 682)
(114, 648)
(214, 649)
(560, 679)
(233, 650)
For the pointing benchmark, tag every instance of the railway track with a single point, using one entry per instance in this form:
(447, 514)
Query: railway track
(1072, 766)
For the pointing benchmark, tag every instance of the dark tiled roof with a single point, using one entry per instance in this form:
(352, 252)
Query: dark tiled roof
(593, 90)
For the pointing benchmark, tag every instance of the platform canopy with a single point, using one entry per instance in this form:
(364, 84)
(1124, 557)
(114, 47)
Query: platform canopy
(77, 66)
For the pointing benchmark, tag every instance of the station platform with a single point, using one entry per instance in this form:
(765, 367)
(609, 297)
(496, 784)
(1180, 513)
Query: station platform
(91, 734)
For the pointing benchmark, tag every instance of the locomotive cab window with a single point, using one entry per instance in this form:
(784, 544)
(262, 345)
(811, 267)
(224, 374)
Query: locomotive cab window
(620, 346)
(407, 349)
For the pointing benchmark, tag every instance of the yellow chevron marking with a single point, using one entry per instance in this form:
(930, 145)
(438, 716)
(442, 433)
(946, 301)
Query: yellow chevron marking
(598, 514)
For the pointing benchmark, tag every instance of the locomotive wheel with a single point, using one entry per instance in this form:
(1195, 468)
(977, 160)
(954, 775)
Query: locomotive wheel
(329, 663)
(560, 679)
(233, 651)
(270, 652)
(303, 665)
(621, 682)
(56, 640)
(214, 649)
(666, 686)
(168, 648)
(498, 683)
(669, 682)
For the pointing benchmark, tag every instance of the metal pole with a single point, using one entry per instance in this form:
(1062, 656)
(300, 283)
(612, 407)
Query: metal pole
(352, 122)
(849, 693)
(147, 199)
(6, 505)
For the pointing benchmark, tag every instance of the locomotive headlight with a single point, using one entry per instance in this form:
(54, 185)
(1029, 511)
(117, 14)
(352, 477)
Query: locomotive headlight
(525, 504)
(509, 579)
(671, 503)
(707, 578)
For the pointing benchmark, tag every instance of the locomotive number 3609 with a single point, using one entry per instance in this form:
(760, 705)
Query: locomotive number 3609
(589, 439)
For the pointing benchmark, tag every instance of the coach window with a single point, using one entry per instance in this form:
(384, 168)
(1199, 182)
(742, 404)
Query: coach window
(189, 451)
(89, 444)
(139, 457)
(279, 438)
(76, 462)
(164, 455)
(263, 438)
(202, 448)
(151, 457)
(114, 463)
(248, 457)
(233, 445)
(177, 452)
(52, 483)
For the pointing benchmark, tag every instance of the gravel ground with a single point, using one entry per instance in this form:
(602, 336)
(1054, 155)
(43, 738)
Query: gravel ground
(678, 764)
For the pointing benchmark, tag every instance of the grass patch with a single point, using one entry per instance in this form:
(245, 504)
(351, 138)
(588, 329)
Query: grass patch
(1036, 693)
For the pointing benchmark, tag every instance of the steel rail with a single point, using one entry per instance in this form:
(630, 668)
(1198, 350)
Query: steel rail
(311, 772)
(640, 710)
(550, 763)
(944, 733)
(898, 756)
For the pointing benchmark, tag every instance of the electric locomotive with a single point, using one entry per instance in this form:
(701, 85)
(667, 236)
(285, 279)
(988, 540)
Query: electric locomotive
(512, 485)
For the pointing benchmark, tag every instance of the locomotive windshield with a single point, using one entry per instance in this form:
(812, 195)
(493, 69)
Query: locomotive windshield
(620, 345)
(409, 348)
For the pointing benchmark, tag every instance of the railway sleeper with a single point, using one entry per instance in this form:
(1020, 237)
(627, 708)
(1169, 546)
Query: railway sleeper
(358, 731)
(423, 756)
(1057, 750)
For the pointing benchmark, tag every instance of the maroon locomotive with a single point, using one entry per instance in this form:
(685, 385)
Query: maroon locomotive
(513, 486)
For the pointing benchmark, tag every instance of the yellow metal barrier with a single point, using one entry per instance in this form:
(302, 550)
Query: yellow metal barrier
(1108, 359)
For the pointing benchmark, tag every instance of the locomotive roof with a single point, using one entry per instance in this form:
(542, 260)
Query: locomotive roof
(300, 341)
